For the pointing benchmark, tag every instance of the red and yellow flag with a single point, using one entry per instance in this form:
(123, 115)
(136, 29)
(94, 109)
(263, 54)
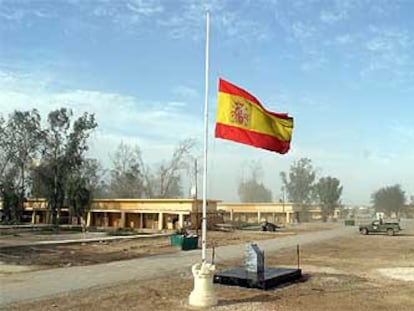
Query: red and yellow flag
(242, 118)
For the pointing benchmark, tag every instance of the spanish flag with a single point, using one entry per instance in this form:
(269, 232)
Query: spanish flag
(242, 118)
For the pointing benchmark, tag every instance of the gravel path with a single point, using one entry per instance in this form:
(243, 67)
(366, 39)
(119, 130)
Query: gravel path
(39, 284)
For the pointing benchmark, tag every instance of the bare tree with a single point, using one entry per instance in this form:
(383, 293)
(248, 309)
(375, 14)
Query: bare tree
(127, 174)
(166, 181)
(94, 175)
(4, 154)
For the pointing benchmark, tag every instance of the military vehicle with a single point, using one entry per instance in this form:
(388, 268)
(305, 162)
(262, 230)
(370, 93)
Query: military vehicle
(378, 226)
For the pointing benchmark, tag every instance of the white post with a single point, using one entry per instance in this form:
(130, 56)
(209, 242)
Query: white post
(160, 220)
(181, 220)
(204, 219)
(89, 219)
(203, 294)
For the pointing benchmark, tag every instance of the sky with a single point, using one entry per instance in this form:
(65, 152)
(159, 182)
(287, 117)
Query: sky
(343, 69)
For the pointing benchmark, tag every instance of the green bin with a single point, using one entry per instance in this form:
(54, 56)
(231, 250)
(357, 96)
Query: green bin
(190, 242)
(176, 240)
(350, 222)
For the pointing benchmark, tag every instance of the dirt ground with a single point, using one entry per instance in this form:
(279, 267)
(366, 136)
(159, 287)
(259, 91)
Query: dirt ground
(52, 256)
(340, 274)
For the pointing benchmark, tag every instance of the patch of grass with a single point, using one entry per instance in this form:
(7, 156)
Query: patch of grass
(124, 232)
(58, 230)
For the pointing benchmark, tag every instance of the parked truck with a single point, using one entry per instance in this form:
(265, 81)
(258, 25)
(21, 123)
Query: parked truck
(378, 226)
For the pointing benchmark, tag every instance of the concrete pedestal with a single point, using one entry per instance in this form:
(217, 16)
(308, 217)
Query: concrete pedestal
(203, 294)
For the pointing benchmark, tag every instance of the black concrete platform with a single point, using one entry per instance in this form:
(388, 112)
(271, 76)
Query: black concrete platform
(271, 277)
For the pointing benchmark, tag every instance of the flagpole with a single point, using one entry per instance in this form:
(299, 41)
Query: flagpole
(204, 218)
(203, 294)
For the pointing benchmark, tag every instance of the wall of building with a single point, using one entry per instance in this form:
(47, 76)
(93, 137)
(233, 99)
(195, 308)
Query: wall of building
(272, 212)
(156, 214)
(159, 214)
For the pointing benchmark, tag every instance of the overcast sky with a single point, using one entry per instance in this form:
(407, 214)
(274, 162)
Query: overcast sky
(343, 69)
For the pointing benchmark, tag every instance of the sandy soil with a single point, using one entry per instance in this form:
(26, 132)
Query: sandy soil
(51, 256)
(339, 274)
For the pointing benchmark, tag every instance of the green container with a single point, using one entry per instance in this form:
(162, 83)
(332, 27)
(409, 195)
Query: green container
(176, 240)
(350, 222)
(190, 243)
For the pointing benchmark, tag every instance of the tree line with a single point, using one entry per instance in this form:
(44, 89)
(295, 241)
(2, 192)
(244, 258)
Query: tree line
(49, 160)
(301, 186)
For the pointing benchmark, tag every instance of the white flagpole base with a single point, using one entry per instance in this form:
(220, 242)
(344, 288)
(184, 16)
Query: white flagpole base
(203, 294)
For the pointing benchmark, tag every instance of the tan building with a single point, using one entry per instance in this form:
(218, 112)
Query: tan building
(259, 212)
(157, 214)
(271, 212)
(160, 214)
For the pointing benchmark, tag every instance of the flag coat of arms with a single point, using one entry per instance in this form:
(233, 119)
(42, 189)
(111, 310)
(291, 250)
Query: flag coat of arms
(243, 119)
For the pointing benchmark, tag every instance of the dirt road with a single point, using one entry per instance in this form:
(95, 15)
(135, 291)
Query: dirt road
(39, 284)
